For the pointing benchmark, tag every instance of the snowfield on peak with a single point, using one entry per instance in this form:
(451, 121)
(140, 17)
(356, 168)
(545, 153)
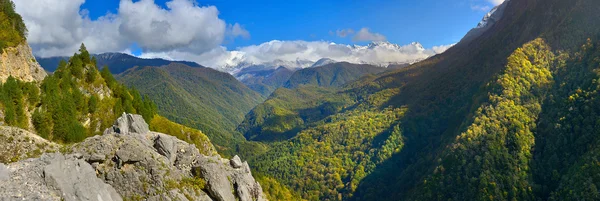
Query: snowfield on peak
(304, 54)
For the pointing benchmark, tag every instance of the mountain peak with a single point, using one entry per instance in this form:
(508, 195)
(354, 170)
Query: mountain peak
(322, 62)
(488, 21)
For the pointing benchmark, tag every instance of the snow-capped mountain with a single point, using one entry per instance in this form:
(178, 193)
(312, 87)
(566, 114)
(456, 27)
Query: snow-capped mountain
(322, 62)
(488, 21)
(296, 54)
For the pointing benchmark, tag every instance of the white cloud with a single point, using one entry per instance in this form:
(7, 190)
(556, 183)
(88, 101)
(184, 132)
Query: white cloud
(57, 27)
(237, 30)
(442, 48)
(365, 35)
(344, 32)
(304, 53)
(496, 2)
(187, 31)
(480, 8)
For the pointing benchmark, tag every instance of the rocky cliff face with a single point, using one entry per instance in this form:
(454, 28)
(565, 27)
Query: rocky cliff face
(129, 162)
(20, 63)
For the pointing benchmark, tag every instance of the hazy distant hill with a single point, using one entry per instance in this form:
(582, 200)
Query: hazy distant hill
(116, 62)
(264, 81)
(334, 75)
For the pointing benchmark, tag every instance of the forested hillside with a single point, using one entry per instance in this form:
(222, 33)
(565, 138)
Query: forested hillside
(310, 95)
(202, 98)
(287, 111)
(13, 29)
(331, 75)
(509, 115)
(76, 102)
(264, 81)
(79, 101)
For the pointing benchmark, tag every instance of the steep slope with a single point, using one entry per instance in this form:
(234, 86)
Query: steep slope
(287, 111)
(493, 118)
(19, 62)
(310, 95)
(16, 59)
(264, 81)
(203, 98)
(331, 75)
(116, 62)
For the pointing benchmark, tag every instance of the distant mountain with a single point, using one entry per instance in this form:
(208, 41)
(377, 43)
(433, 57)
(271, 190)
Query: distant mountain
(264, 81)
(322, 62)
(386, 54)
(331, 75)
(307, 97)
(486, 23)
(116, 62)
(203, 98)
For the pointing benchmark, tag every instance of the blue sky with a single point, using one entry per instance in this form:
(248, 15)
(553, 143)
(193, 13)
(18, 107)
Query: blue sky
(431, 22)
(225, 33)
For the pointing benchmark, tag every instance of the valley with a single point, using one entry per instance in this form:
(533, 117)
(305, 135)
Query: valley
(509, 112)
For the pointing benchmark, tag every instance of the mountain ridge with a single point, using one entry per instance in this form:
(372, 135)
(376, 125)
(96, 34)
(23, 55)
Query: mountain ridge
(117, 62)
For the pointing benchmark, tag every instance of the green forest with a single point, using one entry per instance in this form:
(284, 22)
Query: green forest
(511, 116)
(76, 92)
(13, 29)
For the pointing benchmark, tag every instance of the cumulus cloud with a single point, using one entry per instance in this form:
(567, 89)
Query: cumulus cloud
(304, 54)
(57, 27)
(237, 30)
(442, 48)
(365, 34)
(186, 31)
(344, 32)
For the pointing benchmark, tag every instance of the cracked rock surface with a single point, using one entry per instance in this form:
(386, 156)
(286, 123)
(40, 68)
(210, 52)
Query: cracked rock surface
(129, 162)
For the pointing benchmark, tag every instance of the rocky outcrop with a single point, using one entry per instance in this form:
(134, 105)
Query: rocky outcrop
(18, 144)
(20, 63)
(129, 162)
(54, 177)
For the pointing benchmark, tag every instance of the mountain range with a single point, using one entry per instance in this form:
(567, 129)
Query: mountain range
(386, 54)
(508, 113)
(116, 62)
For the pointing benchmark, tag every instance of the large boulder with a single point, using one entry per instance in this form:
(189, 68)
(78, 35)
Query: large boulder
(53, 177)
(130, 123)
(76, 180)
(226, 176)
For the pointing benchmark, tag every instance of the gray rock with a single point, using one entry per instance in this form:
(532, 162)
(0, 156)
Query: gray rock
(137, 124)
(165, 146)
(96, 158)
(4, 173)
(16, 143)
(135, 164)
(227, 183)
(54, 177)
(130, 123)
(236, 162)
(217, 181)
(76, 180)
